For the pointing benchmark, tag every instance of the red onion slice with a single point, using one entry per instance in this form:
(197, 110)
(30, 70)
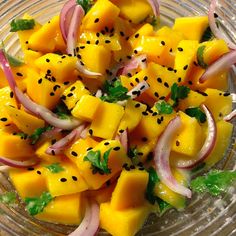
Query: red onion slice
(90, 224)
(230, 116)
(19, 164)
(218, 34)
(220, 66)
(155, 4)
(134, 63)
(62, 144)
(208, 144)
(138, 89)
(65, 17)
(161, 158)
(124, 140)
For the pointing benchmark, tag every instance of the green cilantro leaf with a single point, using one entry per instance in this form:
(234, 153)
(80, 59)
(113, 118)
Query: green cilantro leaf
(8, 198)
(62, 111)
(200, 57)
(163, 107)
(37, 134)
(178, 92)
(115, 92)
(86, 4)
(163, 206)
(197, 113)
(55, 168)
(207, 35)
(133, 155)
(22, 24)
(36, 205)
(22, 135)
(215, 182)
(98, 165)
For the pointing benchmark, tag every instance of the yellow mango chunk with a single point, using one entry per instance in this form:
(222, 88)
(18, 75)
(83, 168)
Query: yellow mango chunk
(126, 222)
(107, 120)
(85, 109)
(96, 58)
(30, 56)
(61, 67)
(28, 182)
(73, 94)
(102, 14)
(70, 205)
(191, 27)
(68, 181)
(24, 121)
(130, 190)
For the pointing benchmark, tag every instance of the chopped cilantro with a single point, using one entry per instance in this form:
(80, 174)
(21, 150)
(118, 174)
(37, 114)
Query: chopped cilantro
(178, 92)
(115, 92)
(207, 35)
(133, 155)
(22, 135)
(154, 21)
(98, 165)
(200, 56)
(22, 24)
(62, 111)
(86, 4)
(163, 107)
(163, 206)
(197, 113)
(36, 205)
(8, 198)
(198, 168)
(215, 182)
(55, 168)
(37, 134)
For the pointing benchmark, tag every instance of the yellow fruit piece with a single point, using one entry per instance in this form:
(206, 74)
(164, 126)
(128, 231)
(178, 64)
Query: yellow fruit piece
(73, 94)
(126, 223)
(28, 182)
(107, 120)
(66, 209)
(24, 121)
(189, 139)
(85, 109)
(68, 181)
(224, 132)
(102, 14)
(130, 190)
(7, 99)
(30, 56)
(218, 102)
(174, 199)
(61, 67)
(191, 27)
(116, 160)
(96, 58)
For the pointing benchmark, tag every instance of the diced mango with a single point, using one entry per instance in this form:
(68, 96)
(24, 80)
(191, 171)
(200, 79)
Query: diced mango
(30, 56)
(130, 190)
(70, 205)
(86, 108)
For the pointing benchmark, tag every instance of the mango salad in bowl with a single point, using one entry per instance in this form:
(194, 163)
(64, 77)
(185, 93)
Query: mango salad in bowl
(110, 115)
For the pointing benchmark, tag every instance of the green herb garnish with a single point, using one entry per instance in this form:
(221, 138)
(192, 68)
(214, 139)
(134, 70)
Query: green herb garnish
(8, 198)
(22, 135)
(36, 205)
(200, 57)
(207, 35)
(197, 113)
(22, 24)
(115, 92)
(62, 111)
(37, 134)
(164, 108)
(178, 92)
(86, 4)
(55, 168)
(98, 165)
(133, 155)
(215, 182)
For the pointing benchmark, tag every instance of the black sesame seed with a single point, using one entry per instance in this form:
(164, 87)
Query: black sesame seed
(97, 42)
(73, 88)
(127, 168)
(132, 167)
(19, 74)
(90, 131)
(179, 79)
(47, 60)
(129, 74)
(30, 168)
(185, 67)
(154, 114)
(137, 105)
(159, 80)
(158, 121)
(180, 49)
(136, 36)
(73, 153)
(4, 119)
(106, 143)
(63, 180)
(144, 59)
(69, 95)
(216, 15)
(96, 20)
(39, 172)
(63, 57)
(145, 113)
(82, 47)
(166, 85)
(190, 82)
(226, 94)
(11, 94)
(170, 69)
(116, 148)
(135, 51)
(195, 63)
(141, 168)
(40, 81)
(106, 29)
(53, 141)
(53, 152)
(107, 41)
(145, 78)
(171, 50)
(163, 43)
(137, 80)
(74, 178)
(88, 149)
(52, 94)
(140, 153)
(121, 131)
(79, 56)
(129, 57)
(26, 42)
(82, 64)
(144, 139)
(162, 98)
(156, 94)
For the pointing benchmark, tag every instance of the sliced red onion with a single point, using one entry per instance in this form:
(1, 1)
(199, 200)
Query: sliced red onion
(65, 17)
(124, 140)
(207, 146)
(230, 116)
(134, 63)
(84, 133)
(161, 158)
(51, 133)
(220, 66)
(4, 168)
(84, 71)
(138, 89)
(218, 34)
(155, 4)
(90, 223)
(62, 144)
(98, 93)
(19, 164)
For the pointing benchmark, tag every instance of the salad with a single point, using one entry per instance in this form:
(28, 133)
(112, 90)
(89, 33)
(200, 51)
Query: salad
(109, 114)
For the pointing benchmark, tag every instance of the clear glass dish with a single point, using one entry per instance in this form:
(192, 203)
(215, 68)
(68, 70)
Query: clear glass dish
(204, 215)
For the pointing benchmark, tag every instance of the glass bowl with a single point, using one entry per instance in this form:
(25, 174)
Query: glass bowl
(204, 215)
